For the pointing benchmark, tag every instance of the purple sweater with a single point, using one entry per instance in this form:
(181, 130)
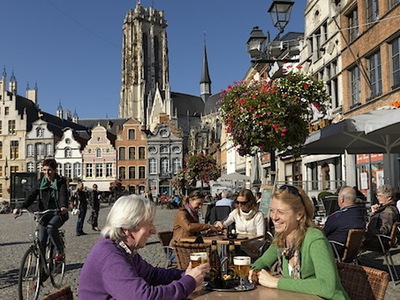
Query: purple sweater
(110, 273)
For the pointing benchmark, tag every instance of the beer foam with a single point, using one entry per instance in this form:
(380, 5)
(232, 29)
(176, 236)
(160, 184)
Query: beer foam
(241, 260)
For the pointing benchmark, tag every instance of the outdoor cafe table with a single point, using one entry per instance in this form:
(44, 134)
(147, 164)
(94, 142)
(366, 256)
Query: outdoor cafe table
(222, 239)
(259, 292)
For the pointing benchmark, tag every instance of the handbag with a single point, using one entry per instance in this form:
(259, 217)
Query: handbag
(90, 220)
(75, 212)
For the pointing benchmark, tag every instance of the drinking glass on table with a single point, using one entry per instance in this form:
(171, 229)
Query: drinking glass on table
(242, 267)
(198, 258)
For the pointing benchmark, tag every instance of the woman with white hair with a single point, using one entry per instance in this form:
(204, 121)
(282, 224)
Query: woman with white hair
(114, 269)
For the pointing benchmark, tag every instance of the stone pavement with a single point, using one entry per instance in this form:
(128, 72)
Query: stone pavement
(14, 241)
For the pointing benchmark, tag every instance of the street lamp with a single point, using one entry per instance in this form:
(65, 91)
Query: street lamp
(258, 44)
(280, 12)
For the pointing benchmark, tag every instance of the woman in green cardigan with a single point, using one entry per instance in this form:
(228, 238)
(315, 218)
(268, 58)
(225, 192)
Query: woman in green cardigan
(301, 253)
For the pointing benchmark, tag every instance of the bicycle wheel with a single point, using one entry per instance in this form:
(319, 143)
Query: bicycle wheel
(56, 268)
(28, 278)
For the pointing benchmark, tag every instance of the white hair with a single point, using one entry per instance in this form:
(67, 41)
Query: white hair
(226, 194)
(127, 213)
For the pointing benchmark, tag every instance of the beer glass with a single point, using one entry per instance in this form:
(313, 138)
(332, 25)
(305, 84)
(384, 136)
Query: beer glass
(242, 267)
(198, 258)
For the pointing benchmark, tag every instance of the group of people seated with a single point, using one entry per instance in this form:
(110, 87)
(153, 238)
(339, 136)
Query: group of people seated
(299, 259)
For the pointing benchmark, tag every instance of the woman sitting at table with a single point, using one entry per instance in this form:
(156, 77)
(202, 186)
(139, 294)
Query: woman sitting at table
(187, 218)
(383, 216)
(302, 254)
(115, 270)
(247, 217)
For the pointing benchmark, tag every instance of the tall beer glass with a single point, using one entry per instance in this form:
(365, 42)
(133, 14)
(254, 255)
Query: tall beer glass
(242, 267)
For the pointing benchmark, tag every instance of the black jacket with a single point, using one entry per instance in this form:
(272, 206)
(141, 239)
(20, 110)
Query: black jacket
(44, 197)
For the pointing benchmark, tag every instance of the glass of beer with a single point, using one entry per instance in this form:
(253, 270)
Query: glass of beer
(198, 258)
(242, 267)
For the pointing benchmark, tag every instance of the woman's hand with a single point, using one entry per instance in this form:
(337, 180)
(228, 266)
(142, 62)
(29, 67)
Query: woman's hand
(267, 280)
(219, 225)
(374, 208)
(198, 273)
(213, 228)
(253, 276)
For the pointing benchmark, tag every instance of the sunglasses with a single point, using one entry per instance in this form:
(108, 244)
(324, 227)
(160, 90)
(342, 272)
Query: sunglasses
(293, 190)
(242, 202)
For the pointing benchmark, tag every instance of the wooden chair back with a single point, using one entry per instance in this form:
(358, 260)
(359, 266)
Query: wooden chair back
(353, 244)
(165, 237)
(64, 293)
(183, 250)
(362, 282)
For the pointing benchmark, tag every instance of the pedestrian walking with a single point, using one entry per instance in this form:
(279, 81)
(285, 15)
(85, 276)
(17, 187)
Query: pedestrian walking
(82, 202)
(94, 200)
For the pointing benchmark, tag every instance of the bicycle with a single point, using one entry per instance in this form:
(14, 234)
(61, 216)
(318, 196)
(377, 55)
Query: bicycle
(36, 267)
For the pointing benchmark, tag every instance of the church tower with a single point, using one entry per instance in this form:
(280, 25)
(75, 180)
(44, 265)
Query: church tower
(144, 62)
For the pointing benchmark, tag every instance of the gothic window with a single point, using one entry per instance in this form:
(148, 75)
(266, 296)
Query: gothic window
(164, 166)
(98, 153)
(67, 152)
(176, 165)
(121, 172)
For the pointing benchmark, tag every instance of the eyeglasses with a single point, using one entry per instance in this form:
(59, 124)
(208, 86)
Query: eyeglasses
(293, 190)
(242, 202)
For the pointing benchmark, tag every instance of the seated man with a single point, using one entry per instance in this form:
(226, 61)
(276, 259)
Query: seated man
(349, 216)
(226, 199)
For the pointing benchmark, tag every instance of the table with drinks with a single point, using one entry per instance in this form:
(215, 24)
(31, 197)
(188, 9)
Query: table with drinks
(226, 284)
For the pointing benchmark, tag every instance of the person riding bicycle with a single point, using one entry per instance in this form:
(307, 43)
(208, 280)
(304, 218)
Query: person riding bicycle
(51, 193)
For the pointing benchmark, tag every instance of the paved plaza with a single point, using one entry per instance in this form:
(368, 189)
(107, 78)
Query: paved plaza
(14, 241)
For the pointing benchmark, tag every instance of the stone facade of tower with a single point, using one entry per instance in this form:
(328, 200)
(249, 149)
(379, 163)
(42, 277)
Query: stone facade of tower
(145, 66)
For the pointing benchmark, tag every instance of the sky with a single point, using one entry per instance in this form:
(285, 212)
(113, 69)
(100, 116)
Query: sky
(72, 49)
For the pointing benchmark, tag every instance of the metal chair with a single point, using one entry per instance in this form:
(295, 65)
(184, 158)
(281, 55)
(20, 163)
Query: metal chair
(351, 248)
(165, 238)
(183, 250)
(362, 282)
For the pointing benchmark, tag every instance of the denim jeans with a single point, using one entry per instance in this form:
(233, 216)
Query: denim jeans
(81, 218)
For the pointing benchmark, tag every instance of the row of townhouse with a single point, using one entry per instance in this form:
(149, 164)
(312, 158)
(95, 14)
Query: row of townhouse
(97, 151)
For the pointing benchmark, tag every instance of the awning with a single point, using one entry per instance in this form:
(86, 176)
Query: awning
(234, 177)
(377, 131)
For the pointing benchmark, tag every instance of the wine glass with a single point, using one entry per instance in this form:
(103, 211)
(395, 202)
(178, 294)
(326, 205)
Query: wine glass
(242, 267)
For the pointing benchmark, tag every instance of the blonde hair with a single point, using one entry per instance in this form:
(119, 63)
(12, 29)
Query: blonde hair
(127, 213)
(298, 200)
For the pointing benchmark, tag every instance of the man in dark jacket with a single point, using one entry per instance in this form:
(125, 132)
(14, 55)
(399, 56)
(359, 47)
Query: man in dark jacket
(349, 216)
(95, 204)
(51, 193)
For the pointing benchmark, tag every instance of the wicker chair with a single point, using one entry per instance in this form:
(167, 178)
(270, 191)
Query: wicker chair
(183, 250)
(362, 282)
(351, 248)
(64, 293)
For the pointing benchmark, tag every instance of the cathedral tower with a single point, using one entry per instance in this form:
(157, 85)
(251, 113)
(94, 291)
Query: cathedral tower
(144, 62)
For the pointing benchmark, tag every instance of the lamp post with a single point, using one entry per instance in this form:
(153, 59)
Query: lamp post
(258, 46)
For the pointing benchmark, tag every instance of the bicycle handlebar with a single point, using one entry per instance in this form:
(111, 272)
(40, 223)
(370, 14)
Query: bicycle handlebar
(38, 214)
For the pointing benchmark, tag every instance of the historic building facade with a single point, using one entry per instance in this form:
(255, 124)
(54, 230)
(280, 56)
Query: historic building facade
(131, 146)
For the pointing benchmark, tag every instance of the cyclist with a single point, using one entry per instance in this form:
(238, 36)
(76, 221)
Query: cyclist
(51, 193)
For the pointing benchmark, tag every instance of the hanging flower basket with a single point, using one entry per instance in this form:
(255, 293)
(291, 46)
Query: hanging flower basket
(272, 114)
